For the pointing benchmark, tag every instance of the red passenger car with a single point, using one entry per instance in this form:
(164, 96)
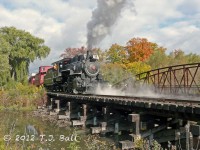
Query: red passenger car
(39, 77)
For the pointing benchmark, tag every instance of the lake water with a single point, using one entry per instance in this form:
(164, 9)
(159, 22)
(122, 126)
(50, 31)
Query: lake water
(23, 131)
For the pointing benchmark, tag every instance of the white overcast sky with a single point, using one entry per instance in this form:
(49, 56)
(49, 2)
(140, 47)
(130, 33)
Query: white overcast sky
(174, 24)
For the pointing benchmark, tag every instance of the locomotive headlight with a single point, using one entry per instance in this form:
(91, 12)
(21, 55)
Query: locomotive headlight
(96, 57)
(93, 67)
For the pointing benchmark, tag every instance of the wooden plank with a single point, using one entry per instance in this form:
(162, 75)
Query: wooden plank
(197, 110)
(126, 144)
(181, 109)
(166, 107)
(172, 107)
(195, 129)
(188, 109)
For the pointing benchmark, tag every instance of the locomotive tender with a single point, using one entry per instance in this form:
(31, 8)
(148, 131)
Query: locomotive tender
(79, 74)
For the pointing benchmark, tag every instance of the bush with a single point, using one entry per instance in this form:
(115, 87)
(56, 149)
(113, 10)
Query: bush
(18, 95)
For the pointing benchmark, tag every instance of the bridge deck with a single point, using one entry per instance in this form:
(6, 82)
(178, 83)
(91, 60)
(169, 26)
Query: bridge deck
(172, 105)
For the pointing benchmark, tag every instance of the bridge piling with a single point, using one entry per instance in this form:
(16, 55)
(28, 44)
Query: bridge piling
(82, 117)
(68, 111)
(94, 115)
(51, 104)
(57, 105)
(91, 116)
(135, 119)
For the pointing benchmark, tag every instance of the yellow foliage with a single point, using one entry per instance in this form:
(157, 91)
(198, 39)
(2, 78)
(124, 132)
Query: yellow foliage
(115, 72)
(117, 54)
(137, 67)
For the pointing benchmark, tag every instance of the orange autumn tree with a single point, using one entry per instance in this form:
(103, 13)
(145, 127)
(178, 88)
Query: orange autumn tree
(130, 58)
(139, 49)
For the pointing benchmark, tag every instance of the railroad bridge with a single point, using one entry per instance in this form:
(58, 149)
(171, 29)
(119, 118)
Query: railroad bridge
(167, 119)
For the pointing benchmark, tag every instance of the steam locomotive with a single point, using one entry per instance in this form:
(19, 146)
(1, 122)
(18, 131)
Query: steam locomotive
(79, 74)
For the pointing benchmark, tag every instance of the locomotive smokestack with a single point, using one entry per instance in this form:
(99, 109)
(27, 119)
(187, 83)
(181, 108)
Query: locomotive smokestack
(88, 54)
(103, 18)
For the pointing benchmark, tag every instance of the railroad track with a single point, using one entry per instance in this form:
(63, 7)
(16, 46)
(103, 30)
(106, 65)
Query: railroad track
(187, 101)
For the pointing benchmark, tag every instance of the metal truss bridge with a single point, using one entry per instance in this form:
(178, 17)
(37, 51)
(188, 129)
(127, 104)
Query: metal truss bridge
(177, 80)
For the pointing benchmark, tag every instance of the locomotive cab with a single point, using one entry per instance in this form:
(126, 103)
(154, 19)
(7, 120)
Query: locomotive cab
(94, 57)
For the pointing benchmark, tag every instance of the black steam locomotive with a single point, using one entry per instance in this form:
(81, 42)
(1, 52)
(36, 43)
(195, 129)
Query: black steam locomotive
(79, 74)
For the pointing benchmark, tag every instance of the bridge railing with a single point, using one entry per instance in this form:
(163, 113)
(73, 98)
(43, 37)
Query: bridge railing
(178, 79)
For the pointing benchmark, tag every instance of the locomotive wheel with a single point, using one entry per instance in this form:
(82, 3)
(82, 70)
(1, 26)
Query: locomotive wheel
(65, 88)
(75, 83)
(77, 89)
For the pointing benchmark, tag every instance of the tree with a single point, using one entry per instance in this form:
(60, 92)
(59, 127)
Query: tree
(139, 49)
(158, 58)
(177, 57)
(117, 54)
(193, 58)
(114, 72)
(137, 67)
(71, 52)
(127, 60)
(4, 61)
(25, 48)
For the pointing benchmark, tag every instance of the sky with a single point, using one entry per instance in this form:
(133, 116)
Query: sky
(173, 24)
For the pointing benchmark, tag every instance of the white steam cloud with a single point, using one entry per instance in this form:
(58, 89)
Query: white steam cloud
(128, 88)
(132, 89)
(103, 18)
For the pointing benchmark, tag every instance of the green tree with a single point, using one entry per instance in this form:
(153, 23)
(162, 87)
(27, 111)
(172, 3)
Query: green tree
(114, 72)
(25, 48)
(177, 57)
(159, 58)
(117, 54)
(4, 61)
(193, 58)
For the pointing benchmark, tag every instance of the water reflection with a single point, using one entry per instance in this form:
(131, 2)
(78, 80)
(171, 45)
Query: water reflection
(28, 132)
(31, 130)
(23, 131)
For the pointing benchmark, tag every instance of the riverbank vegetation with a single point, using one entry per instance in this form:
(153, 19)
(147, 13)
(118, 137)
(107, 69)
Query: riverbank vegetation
(18, 48)
(19, 96)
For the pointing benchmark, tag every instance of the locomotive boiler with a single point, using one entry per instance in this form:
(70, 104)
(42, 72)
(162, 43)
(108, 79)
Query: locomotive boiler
(79, 74)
